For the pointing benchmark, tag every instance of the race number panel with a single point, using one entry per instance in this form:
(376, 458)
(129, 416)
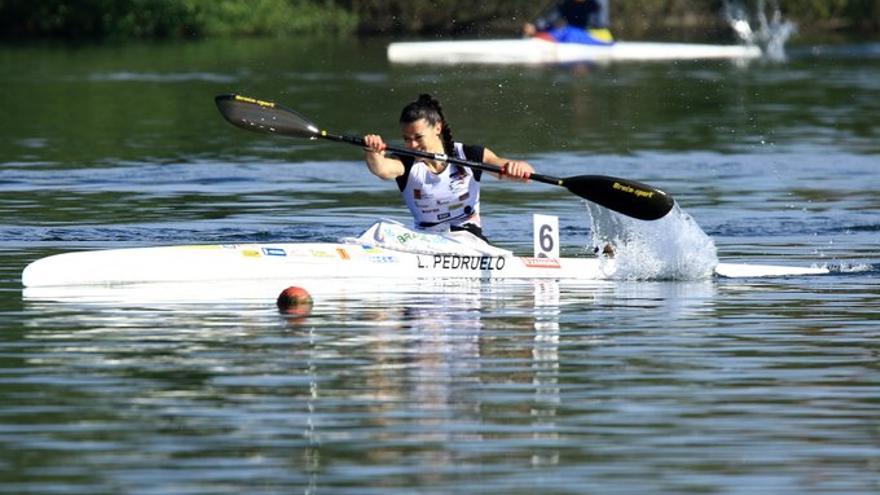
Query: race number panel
(546, 236)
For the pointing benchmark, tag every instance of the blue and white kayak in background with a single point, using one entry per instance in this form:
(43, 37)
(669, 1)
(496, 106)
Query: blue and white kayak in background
(533, 51)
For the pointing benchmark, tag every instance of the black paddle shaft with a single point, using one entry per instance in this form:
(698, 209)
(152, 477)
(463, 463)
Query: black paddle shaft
(625, 196)
(629, 197)
(439, 157)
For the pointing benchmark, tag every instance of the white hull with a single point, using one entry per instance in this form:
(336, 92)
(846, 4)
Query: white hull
(322, 261)
(537, 51)
(249, 262)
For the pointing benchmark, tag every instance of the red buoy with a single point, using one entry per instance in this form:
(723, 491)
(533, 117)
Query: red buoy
(294, 300)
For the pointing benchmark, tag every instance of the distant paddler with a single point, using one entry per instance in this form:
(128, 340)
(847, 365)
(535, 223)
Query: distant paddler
(574, 21)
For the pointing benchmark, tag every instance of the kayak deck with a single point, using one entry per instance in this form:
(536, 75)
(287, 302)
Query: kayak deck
(292, 262)
(288, 261)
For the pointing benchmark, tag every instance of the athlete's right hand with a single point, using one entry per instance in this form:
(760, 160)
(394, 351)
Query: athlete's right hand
(373, 143)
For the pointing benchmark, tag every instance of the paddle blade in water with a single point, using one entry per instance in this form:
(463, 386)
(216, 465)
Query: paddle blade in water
(264, 116)
(628, 197)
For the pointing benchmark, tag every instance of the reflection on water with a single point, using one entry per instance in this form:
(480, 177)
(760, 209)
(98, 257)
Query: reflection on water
(452, 387)
(428, 382)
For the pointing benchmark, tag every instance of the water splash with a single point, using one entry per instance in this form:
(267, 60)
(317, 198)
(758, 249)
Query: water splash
(771, 34)
(852, 267)
(671, 248)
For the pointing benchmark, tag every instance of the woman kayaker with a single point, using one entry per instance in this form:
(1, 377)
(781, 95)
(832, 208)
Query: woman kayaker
(439, 195)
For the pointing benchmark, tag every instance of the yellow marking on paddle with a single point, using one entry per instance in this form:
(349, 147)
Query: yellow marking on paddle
(262, 103)
(639, 193)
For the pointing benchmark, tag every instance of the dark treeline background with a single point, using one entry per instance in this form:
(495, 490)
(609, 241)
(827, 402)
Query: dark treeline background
(123, 19)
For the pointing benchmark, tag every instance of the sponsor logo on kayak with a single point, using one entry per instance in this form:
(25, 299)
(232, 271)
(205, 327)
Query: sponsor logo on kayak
(250, 253)
(463, 262)
(384, 258)
(406, 237)
(371, 249)
(639, 193)
(273, 251)
(317, 253)
(541, 262)
(418, 237)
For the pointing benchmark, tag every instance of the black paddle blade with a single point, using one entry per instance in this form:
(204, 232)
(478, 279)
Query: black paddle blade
(624, 196)
(264, 116)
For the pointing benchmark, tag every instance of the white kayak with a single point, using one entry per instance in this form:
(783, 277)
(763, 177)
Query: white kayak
(538, 51)
(387, 251)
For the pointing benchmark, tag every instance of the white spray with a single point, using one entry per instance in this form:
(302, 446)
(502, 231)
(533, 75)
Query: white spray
(671, 248)
(771, 33)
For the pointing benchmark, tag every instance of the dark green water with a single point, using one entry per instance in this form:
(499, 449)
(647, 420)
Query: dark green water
(724, 386)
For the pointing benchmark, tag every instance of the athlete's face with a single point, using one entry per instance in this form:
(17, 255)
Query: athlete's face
(422, 136)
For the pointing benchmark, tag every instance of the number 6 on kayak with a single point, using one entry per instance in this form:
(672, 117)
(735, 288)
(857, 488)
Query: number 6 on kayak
(628, 197)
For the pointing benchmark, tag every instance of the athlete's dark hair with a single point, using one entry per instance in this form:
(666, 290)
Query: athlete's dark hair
(429, 109)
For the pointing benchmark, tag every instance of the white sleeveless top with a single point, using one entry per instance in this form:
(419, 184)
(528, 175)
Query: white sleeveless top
(439, 201)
